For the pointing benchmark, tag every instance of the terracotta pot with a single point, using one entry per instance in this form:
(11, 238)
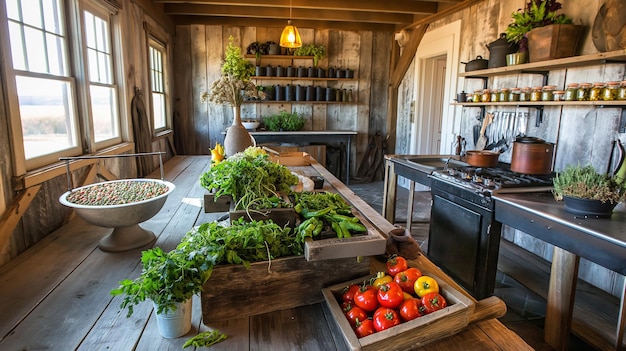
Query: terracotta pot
(482, 158)
(532, 156)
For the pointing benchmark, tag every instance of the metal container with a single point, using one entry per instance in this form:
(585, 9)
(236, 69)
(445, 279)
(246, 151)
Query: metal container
(532, 156)
(478, 63)
(482, 158)
(498, 50)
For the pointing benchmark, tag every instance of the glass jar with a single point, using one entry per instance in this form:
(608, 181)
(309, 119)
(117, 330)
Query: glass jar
(583, 92)
(525, 94)
(547, 93)
(535, 94)
(570, 92)
(495, 95)
(514, 94)
(595, 93)
(504, 95)
(621, 95)
(559, 95)
(486, 95)
(611, 91)
(477, 97)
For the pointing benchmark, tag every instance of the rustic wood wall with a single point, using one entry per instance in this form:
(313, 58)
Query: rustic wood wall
(581, 134)
(199, 54)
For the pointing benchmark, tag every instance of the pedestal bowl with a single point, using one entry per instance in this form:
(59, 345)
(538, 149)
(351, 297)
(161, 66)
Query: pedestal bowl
(123, 218)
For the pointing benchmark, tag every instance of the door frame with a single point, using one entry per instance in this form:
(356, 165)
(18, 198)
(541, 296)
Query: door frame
(444, 41)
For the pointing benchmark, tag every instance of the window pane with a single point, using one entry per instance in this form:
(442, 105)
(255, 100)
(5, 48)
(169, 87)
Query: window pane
(99, 55)
(52, 16)
(35, 50)
(13, 11)
(104, 111)
(31, 13)
(56, 55)
(47, 114)
(158, 108)
(17, 49)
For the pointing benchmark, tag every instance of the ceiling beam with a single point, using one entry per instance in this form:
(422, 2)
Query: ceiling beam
(284, 13)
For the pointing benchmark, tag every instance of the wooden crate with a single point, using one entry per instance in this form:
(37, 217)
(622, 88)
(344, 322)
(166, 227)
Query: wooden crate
(408, 335)
(295, 158)
(280, 216)
(234, 291)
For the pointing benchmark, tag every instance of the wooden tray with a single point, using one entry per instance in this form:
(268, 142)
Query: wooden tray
(408, 335)
(234, 291)
(295, 158)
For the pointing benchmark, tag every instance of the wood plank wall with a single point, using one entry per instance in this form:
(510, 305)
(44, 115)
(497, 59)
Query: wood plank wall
(581, 134)
(199, 54)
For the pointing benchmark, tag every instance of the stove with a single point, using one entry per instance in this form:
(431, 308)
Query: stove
(464, 237)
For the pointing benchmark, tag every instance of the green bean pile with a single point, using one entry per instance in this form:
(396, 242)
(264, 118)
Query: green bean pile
(117, 193)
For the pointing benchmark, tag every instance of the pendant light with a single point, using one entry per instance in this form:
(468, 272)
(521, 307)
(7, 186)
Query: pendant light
(290, 38)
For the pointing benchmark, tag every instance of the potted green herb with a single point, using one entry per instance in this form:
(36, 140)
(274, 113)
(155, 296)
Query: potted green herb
(286, 121)
(169, 279)
(535, 27)
(587, 192)
(317, 51)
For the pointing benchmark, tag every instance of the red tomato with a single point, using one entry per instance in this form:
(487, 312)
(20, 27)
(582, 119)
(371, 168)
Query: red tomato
(411, 309)
(348, 292)
(390, 295)
(366, 298)
(364, 328)
(356, 314)
(396, 264)
(385, 318)
(406, 279)
(433, 302)
(346, 306)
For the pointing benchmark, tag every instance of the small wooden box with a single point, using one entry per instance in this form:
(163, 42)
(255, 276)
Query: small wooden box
(407, 335)
(233, 291)
(280, 216)
(295, 158)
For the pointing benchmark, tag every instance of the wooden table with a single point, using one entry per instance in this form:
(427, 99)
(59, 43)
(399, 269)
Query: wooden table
(55, 296)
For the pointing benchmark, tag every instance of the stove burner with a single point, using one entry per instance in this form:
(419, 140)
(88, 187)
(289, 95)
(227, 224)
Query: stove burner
(487, 180)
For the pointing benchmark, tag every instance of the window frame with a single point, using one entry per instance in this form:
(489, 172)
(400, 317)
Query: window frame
(157, 36)
(156, 44)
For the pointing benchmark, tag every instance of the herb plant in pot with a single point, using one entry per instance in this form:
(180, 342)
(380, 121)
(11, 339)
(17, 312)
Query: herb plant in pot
(543, 32)
(169, 279)
(587, 192)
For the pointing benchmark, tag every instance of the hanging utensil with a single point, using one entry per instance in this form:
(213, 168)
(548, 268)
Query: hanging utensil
(615, 163)
(482, 139)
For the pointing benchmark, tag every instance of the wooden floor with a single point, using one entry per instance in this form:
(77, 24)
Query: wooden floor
(56, 295)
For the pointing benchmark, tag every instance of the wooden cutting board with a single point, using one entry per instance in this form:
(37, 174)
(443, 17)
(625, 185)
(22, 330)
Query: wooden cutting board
(609, 27)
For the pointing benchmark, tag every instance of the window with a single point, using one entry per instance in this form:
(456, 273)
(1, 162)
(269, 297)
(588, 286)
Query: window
(157, 85)
(63, 90)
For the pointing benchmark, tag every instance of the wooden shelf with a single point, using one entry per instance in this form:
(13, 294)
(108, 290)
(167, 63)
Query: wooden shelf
(282, 57)
(602, 103)
(298, 102)
(541, 67)
(301, 78)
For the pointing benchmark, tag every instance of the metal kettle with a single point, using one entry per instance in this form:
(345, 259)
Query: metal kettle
(498, 50)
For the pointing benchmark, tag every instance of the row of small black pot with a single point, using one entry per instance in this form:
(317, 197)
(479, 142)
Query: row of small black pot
(303, 72)
(307, 93)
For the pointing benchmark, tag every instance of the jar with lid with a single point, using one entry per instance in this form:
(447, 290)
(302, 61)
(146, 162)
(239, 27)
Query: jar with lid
(570, 91)
(486, 95)
(495, 95)
(610, 91)
(535, 94)
(514, 94)
(504, 95)
(621, 95)
(478, 95)
(559, 95)
(595, 93)
(525, 94)
(582, 94)
(547, 93)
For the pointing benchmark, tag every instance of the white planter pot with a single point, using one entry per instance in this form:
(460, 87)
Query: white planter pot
(174, 324)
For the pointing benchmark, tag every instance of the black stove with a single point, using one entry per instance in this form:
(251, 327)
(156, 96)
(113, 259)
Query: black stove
(464, 237)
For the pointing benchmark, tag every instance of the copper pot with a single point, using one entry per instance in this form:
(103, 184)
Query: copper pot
(482, 158)
(532, 156)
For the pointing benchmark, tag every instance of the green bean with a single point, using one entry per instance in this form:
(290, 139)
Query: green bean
(206, 339)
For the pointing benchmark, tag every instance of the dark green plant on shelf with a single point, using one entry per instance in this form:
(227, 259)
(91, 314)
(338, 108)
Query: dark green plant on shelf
(317, 51)
(287, 121)
(536, 13)
(585, 182)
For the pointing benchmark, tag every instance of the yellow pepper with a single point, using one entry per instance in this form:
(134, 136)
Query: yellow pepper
(425, 284)
(217, 154)
(381, 278)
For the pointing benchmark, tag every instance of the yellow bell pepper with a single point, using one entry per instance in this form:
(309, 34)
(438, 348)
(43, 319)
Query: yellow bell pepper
(425, 284)
(381, 278)
(217, 154)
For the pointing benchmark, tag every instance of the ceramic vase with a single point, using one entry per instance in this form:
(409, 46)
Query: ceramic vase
(237, 138)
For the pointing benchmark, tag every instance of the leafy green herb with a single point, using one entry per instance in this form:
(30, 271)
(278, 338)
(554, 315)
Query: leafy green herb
(586, 183)
(206, 339)
(251, 179)
(284, 121)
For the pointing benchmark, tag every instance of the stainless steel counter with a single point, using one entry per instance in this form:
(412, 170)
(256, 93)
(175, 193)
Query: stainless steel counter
(600, 240)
